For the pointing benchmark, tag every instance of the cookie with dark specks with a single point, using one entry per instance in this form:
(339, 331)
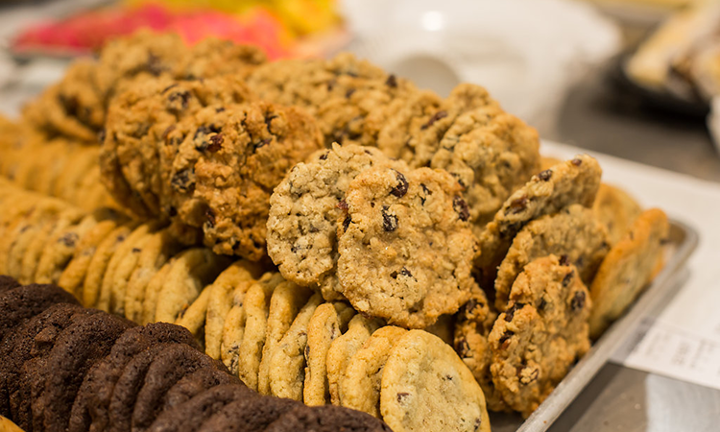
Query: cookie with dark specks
(571, 182)
(188, 417)
(491, 154)
(627, 268)
(473, 323)
(425, 386)
(574, 234)
(326, 419)
(246, 158)
(406, 246)
(541, 335)
(304, 209)
(76, 350)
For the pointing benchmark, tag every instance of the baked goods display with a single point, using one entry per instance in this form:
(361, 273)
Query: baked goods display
(67, 368)
(324, 230)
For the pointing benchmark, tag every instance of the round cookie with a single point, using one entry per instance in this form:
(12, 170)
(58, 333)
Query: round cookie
(195, 383)
(343, 349)
(77, 348)
(193, 316)
(213, 57)
(304, 210)
(490, 153)
(138, 126)
(189, 416)
(248, 415)
(425, 386)
(167, 368)
(7, 283)
(574, 234)
(192, 271)
(92, 286)
(121, 273)
(362, 379)
(250, 154)
(255, 304)
(571, 182)
(616, 209)
(90, 410)
(473, 324)
(326, 419)
(406, 248)
(286, 301)
(61, 244)
(541, 335)
(327, 324)
(234, 327)
(220, 301)
(627, 268)
(287, 361)
(151, 291)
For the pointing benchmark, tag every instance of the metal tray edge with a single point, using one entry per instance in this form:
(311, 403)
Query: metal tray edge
(586, 369)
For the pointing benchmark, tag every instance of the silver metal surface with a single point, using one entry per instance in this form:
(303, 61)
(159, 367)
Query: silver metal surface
(683, 240)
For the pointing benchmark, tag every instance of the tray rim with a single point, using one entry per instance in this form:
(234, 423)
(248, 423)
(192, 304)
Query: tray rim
(586, 369)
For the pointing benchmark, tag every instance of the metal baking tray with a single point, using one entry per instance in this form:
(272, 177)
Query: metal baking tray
(682, 242)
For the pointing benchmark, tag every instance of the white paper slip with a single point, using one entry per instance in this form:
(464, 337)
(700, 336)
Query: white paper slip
(673, 352)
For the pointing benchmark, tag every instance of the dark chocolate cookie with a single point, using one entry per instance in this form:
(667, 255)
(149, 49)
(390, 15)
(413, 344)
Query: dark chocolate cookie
(77, 349)
(33, 343)
(326, 418)
(189, 416)
(248, 415)
(195, 383)
(24, 302)
(90, 410)
(7, 283)
(168, 367)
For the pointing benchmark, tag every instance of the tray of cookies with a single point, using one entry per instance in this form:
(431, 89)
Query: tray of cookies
(325, 232)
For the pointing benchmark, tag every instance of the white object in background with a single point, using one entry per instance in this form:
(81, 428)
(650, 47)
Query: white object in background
(713, 121)
(527, 53)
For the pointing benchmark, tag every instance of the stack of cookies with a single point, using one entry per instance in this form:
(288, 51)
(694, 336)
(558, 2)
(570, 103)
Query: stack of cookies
(66, 368)
(328, 231)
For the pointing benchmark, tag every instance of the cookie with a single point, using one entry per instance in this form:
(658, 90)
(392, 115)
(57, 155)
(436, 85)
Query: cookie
(360, 385)
(574, 234)
(302, 223)
(167, 368)
(342, 349)
(541, 335)
(7, 426)
(627, 268)
(326, 419)
(251, 414)
(77, 348)
(106, 299)
(286, 366)
(138, 124)
(220, 301)
(425, 386)
(73, 277)
(24, 302)
(250, 155)
(193, 316)
(90, 410)
(406, 248)
(127, 261)
(192, 271)
(473, 324)
(128, 385)
(80, 160)
(616, 209)
(34, 373)
(327, 324)
(61, 245)
(572, 182)
(7, 283)
(190, 415)
(195, 383)
(214, 57)
(285, 303)
(92, 285)
(490, 153)
(255, 305)
(153, 288)
(19, 347)
(234, 327)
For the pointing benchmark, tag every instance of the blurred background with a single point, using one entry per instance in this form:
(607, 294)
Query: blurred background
(632, 78)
